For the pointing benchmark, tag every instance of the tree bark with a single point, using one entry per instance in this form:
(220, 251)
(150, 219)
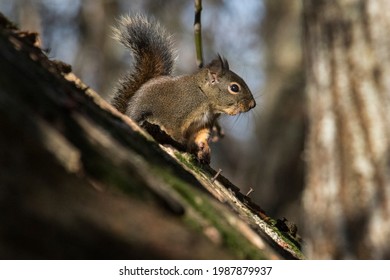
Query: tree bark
(347, 195)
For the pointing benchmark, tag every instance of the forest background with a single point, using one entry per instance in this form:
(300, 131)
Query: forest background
(316, 148)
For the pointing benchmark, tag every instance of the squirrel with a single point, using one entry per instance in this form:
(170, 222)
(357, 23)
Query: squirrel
(184, 108)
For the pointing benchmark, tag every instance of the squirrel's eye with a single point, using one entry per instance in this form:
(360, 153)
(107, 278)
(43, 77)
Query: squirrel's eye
(234, 88)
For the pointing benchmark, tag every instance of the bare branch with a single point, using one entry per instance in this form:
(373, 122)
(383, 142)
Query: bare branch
(198, 33)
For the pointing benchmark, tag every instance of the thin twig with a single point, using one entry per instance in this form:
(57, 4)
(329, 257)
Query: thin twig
(249, 192)
(216, 175)
(198, 33)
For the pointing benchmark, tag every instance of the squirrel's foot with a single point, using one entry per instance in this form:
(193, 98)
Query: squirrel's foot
(200, 146)
(203, 152)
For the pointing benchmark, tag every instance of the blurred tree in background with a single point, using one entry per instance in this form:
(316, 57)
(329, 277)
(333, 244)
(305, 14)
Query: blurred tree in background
(276, 168)
(347, 194)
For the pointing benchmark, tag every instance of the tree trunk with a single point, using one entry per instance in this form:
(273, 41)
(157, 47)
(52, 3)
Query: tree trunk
(277, 174)
(347, 193)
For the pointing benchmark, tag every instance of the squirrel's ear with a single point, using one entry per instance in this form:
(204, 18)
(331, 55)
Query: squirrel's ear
(217, 68)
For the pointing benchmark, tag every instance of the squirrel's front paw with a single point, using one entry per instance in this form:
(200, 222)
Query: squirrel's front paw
(203, 153)
(217, 133)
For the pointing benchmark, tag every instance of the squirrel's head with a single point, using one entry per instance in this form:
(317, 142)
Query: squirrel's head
(227, 91)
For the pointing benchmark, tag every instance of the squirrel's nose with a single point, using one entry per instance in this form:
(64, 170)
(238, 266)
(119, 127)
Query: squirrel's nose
(252, 104)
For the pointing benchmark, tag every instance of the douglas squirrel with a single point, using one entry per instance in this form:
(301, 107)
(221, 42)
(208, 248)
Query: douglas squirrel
(185, 108)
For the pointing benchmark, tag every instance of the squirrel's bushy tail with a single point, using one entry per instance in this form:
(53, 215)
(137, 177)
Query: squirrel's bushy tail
(153, 54)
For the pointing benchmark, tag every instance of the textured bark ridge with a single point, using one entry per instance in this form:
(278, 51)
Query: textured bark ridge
(347, 198)
(80, 180)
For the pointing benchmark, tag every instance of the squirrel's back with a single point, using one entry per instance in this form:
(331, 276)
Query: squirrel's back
(152, 49)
